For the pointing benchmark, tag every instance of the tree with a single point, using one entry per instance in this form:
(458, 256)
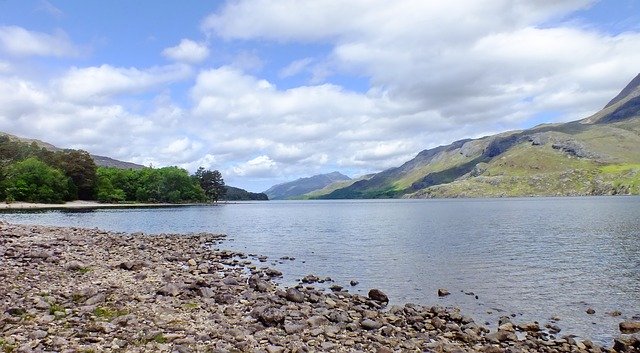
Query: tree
(80, 167)
(32, 180)
(212, 183)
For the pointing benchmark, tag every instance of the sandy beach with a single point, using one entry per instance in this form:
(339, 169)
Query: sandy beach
(86, 290)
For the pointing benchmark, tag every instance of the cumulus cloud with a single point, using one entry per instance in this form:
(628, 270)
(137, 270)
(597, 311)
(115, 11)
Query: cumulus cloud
(18, 41)
(261, 166)
(100, 82)
(436, 72)
(187, 51)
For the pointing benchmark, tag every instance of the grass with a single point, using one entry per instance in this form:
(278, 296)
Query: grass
(56, 308)
(191, 306)
(7, 347)
(107, 313)
(159, 338)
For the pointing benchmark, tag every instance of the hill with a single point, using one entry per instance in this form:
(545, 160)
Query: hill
(237, 194)
(298, 188)
(101, 161)
(598, 155)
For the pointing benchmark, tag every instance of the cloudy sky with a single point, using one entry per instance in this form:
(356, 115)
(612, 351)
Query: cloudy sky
(271, 90)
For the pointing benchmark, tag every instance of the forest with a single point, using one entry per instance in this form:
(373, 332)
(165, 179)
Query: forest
(30, 173)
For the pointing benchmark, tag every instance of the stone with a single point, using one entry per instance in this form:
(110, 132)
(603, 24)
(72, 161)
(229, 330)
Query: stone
(442, 292)
(378, 295)
(170, 289)
(590, 311)
(369, 324)
(354, 283)
(294, 295)
(628, 327)
(310, 279)
(192, 263)
(275, 349)
(271, 316)
(74, 265)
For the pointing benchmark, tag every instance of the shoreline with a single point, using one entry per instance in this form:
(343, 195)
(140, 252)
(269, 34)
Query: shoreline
(79, 205)
(75, 289)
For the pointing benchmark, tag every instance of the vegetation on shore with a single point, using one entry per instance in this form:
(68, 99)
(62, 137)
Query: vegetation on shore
(31, 173)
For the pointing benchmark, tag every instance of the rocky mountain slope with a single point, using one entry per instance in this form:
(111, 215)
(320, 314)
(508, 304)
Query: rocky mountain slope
(594, 156)
(297, 188)
(101, 161)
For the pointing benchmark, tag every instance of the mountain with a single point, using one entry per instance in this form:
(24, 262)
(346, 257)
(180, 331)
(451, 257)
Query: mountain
(593, 156)
(237, 194)
(101, 161)
(296, 189)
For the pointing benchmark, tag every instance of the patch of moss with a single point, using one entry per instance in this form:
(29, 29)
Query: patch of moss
(84, 270)
(106, 313)
(191, 306)
(159, 338)
(6, 347)
(56, 308)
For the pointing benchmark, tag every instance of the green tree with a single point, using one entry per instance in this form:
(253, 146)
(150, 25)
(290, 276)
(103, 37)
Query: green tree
(212, 183)
(80, 167)
(32, 180)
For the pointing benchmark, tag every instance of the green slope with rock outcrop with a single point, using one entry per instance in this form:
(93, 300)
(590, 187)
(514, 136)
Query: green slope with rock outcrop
(599, 155)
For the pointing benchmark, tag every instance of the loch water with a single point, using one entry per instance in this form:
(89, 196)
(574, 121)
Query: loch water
(532, 258)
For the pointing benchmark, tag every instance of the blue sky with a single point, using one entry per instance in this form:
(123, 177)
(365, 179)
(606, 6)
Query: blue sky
(268, 91)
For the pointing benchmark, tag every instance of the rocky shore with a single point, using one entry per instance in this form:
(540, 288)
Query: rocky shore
(86, 290)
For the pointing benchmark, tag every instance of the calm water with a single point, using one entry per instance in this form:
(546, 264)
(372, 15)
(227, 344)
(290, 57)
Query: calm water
(535, 258)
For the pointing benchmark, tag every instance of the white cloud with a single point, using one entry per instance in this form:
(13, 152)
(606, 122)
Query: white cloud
(18, 41)
(261, 166)
(97, 83)
(187, 51)
(433, 78)
(295, 67)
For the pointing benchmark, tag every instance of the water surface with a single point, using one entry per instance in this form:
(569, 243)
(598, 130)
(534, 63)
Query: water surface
(534, 257)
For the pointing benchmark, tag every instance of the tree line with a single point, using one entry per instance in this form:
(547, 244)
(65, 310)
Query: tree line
(31, 173)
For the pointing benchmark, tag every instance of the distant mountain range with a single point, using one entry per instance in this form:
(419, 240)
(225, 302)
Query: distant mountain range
(598, 155)
(298, 188)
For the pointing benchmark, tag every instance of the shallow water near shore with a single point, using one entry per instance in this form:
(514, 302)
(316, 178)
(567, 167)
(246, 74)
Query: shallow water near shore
(534, 257)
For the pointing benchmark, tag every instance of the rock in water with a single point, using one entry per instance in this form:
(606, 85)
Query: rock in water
(378, 295)
(443, 292)
(629, 327)
(591, 311)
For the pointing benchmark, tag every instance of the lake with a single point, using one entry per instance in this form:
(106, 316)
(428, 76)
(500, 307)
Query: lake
(535, 258)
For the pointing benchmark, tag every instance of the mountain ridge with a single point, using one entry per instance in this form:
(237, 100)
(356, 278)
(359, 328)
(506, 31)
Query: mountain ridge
(299, 187)
(599, 154)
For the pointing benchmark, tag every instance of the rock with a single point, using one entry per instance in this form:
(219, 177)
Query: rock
(378, 295)
(206, 292)
(96, 299)
(271, 272)
(614, 313)
(336, 288)
(74, 265)
(354, 283)
(270, 316)
(170, 289)
(442, 292)
(369, 324)
(275, 349)
(590, 311)
(529, 327)
(294, 295)
(310, 279)
(192, 263)
(292, 328)
(230, 281)
(629, 327)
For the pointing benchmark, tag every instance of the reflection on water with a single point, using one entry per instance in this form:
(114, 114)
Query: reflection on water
(535, 258)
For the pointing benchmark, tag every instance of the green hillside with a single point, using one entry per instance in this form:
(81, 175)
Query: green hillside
(599, 155)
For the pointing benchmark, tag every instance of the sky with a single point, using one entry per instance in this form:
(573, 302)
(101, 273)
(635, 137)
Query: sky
(268, 91)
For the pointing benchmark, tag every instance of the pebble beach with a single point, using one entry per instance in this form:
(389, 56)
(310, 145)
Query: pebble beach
(88, 290)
